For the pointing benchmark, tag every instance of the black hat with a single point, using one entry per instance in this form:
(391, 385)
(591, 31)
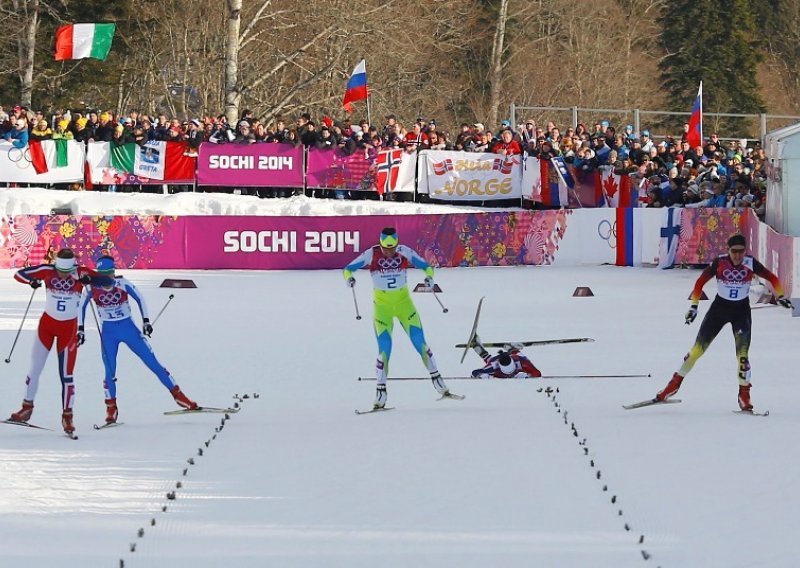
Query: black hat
(737, 241)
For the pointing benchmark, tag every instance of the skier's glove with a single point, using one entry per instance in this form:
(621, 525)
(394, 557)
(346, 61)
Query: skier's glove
(784, 302)
(429, 281)
(35, 283)
(81, 336)
(691, 315)
(85, 279)
(351, 282)
(147, 329)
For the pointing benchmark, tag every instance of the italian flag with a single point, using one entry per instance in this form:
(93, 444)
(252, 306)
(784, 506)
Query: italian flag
(155, 160)
(78, 41)
(48, 154)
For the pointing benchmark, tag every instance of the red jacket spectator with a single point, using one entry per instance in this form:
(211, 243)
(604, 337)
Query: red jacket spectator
(507, 145)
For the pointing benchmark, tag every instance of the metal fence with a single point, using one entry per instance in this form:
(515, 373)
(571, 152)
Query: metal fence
(660, 123)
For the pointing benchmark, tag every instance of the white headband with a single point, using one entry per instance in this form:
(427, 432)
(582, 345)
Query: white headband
(65, 264)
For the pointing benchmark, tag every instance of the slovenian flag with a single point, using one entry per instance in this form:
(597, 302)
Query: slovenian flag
(629, 236)
(356, 86)
(79, 41)
(695, 135)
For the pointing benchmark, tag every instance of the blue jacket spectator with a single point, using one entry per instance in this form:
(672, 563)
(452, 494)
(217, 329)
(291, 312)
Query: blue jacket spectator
(19, 134)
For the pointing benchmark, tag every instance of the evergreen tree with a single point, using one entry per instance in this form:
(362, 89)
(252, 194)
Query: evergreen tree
(716, 43)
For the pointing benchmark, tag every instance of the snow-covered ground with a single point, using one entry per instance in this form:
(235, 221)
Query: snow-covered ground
(521, 473)
(37, 201)
(499, 479)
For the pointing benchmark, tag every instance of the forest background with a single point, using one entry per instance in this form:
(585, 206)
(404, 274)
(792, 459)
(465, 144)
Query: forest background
(452, 60)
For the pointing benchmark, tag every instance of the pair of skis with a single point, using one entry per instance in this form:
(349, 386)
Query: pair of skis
(373, 410)
(655, 402)
(108, 425)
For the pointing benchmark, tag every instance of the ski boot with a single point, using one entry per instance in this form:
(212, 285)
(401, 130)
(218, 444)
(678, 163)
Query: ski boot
(380, 397)
(182, 399)
(744, 398)
(66, 421)
(671, 389)
(439, 385)
(111, 411)
(24, 414)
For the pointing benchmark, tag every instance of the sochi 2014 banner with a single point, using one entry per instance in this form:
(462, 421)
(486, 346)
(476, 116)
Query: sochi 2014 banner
(169, 162)
(56, 162)
(463, 176)
(250, 165)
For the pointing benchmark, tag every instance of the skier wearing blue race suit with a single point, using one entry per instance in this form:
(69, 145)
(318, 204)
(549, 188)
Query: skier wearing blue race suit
(111, 295)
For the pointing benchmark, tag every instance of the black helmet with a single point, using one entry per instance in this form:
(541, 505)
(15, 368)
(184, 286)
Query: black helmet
(737, 241)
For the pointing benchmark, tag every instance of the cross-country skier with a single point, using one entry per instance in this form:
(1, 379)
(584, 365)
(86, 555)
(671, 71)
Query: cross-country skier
(508, 363)
(388, 263)
(734, 272)
(63, 283)
(111, 295)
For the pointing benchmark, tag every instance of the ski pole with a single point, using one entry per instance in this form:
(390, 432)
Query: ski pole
(100, 333)
(435, 295)
(24, 316)
(162, 309)
(355, 302)
(514, 378)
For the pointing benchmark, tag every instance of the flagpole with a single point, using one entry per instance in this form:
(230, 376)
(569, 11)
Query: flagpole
(701, 112)
(369, 117)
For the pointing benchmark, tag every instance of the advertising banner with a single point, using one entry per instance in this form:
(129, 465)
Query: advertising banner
(58, 163)
(250, 165)
(333, 169)
(462, 176)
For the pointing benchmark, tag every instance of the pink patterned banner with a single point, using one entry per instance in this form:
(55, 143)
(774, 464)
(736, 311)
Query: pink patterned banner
(705, 231)
(268, 243)
(336, 170)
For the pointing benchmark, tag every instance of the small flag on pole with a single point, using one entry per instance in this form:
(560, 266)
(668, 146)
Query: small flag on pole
(356, 86)
(695, 135)
(79, 41)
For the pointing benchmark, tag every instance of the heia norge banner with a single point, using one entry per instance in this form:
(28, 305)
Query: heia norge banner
(460, 176)
(267, 165)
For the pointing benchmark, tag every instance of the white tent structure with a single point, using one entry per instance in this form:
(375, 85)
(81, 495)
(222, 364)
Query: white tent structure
(783, 205)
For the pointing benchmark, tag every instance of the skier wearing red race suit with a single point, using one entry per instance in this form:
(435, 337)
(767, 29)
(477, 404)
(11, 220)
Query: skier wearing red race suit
(508, 363)
(63, 282)
(734, 273)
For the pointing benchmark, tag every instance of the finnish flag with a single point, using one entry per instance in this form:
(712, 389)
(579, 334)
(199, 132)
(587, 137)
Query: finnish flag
(670, 235)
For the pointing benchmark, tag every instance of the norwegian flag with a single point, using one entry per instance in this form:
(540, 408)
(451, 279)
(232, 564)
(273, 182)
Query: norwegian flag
(441, 168)
(388, 164)
(503, 165)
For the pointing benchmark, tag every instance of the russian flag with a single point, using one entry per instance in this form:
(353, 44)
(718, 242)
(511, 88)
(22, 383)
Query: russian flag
(629, 241)
(554, 190)
(356, 86)
(695, 134)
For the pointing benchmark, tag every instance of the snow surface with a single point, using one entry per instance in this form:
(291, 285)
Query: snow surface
(37, 201)
(296, 479)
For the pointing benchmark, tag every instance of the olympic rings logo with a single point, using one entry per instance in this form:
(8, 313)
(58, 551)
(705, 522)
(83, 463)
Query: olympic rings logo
(20, 156)
(392, 263)
(62, 284)
(110, 298)
(605, 230)
(734, 274)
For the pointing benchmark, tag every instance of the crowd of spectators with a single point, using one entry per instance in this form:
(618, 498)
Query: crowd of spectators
(669, 172)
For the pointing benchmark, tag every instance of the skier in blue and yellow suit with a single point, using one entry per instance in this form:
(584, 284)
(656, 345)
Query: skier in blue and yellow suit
(388, 263)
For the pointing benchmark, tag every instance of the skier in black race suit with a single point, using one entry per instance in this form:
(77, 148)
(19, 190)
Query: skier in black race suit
(734, 272)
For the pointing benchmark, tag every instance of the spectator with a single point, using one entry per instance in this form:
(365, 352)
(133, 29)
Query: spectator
(326, 140)
(243, 134)
(19, 134)
(507, 146)
(194, 136)
(437, 142)
(41, 131)
(465, 139)
(416, 139)
(105, 128)
(62, 130)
